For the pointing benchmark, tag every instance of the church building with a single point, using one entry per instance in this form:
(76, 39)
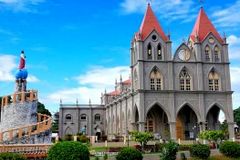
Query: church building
(173, 95)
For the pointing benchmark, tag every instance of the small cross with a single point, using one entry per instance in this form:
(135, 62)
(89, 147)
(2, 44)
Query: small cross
(149, 1)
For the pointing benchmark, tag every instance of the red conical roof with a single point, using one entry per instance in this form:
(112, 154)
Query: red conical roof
(149, 24)
(203, 26)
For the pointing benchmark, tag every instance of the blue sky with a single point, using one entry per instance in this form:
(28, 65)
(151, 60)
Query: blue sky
(76, 49)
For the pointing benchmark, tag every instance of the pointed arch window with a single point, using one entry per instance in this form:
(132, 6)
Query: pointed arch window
(213, 81)
(155, 80)
(149, 51)
(159, 52)
(185, 80)
(207, 53)
(216, 54)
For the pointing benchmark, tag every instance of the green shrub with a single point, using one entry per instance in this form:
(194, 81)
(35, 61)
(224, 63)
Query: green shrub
(169, 151)
(68, 150)
(11, 156)
(200, 151)
(230, 149)
(68, 137)
(105, 157)
(129, 154)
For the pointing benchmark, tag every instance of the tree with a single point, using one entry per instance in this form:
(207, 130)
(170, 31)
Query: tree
(41, 109)
(55, 122)
(212, 135)
(142, 137)
(236, 114)
(224, 128)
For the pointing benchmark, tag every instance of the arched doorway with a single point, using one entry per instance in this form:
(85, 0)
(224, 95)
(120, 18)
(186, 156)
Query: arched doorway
(186, 124)
(215, 118)
(157, 122)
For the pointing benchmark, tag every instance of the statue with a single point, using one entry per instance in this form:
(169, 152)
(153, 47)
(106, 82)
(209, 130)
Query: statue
(22, 61)
(21, 75)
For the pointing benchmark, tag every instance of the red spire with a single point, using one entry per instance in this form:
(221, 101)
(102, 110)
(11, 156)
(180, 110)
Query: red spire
(203, 26)
(150, 23)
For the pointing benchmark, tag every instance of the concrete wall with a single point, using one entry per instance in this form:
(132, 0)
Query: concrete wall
(18, 114)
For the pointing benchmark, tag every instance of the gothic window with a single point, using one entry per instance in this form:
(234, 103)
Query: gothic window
(149, 51)
(155, 80)
(159, 52)
(213, 81)
(68, 117)
(185, 80)
(216, 54)
(207, 53)
(83, 117)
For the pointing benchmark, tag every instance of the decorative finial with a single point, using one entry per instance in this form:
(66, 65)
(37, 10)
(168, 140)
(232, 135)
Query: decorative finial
(60, 101)
(224, 37)
(120, 78)
(105, 91)
(169, 36)
(90, 101)
(77, 101)
(116, 81)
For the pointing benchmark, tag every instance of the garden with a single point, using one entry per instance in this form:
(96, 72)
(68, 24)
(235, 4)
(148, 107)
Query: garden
(80, 149)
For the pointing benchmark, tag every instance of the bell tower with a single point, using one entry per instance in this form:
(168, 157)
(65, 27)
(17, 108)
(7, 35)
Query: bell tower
(149, 46)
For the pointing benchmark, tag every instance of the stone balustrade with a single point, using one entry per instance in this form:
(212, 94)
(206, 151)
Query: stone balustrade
(43, 124)
(17, 97)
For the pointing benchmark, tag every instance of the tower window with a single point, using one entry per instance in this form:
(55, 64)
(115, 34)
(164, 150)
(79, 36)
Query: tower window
(159, 52)
(155, 80)
(149, 51)
(213, 81)
(185, 80)
(216, 54)
(207, 53)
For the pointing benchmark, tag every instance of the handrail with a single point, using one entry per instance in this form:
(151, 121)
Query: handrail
(28, 150)
(30, 96)
(43, 124)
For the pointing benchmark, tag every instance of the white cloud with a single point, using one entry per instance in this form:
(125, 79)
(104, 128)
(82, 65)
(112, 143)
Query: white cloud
(32, 78)
(235, 81)
(91, 85)
(7, 65)
(229, 16)
(234, 47)
(168, 9)
(20, 5)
